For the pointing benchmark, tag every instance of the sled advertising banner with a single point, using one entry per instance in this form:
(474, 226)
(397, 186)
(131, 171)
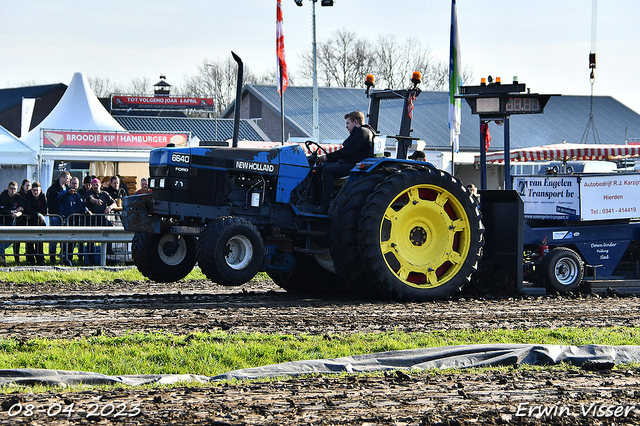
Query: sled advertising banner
(549, 197)
(110, 140)
(610, 197)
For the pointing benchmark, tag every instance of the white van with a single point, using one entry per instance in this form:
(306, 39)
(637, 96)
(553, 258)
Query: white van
(571, 167)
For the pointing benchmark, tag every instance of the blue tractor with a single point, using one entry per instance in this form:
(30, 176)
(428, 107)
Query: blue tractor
(396, 229)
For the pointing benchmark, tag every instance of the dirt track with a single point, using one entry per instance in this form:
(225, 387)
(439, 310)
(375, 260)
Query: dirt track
(73, 312)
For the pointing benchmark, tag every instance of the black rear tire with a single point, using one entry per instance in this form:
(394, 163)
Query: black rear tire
(230, 251)
(420, 235)
(164, 258)
(563, 270)
(345, 213)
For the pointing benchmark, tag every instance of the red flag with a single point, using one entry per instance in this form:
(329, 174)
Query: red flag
(484, 130)
(412, 97)
(282, 62)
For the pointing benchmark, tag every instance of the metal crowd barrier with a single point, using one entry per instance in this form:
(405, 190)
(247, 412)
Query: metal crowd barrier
(98, 236)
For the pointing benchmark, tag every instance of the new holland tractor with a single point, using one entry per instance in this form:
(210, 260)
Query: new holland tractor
(396, 229)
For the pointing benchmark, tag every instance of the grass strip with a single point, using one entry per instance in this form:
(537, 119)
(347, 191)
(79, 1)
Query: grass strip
(210, 354)
(81, 275)
(90, 275)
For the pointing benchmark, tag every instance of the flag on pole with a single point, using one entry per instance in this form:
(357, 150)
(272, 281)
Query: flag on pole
(281, 69)
(27, 112)
(455, 81)
(486, 135)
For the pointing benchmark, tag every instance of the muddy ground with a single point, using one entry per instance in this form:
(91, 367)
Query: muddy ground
(517, 397)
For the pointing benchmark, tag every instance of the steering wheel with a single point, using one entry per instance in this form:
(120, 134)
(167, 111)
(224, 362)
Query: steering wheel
(314, 152)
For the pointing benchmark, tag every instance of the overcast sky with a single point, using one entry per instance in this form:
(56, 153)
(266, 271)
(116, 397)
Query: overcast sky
(546, 43)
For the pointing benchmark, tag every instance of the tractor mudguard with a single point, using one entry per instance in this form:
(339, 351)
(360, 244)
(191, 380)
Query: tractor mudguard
(135, 215)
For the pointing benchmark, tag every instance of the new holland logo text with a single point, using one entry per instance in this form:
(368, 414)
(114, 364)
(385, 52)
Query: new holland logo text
(255, 167)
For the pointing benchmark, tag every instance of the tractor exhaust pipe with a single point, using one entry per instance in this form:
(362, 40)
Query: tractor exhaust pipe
(236, 112)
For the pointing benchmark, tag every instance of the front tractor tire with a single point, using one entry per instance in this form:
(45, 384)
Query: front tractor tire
(164, 258)
(420, 235)
(230, 251)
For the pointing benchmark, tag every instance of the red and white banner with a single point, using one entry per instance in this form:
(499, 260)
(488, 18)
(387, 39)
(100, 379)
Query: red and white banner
(267, 145)
(110, 140)
(162, 102)
(565, 152)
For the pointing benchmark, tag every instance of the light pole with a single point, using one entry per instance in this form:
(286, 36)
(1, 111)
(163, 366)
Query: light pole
(215, 94)
(315, 126)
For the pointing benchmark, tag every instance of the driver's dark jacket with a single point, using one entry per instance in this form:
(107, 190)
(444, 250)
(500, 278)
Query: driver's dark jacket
(357, 147)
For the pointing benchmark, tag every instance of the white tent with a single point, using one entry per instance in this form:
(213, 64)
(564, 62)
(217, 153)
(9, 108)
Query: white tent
(17, 160)
(13, 151)
(78, 110)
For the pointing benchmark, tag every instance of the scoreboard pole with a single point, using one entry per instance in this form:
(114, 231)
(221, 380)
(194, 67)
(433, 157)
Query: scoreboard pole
(507, 154)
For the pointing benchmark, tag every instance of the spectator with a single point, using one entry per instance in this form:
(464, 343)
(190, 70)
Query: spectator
(115, 190)
(71, 207)
(418, 156)
(472, 188)
(474, 191)
(10, 209)
(98, 201)
(22, 220)
(86, 186)
(123, 185)
(144, 187)
(99, 204)
(54, 190)
(35, 207)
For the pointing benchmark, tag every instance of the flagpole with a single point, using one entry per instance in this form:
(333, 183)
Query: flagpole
(283, 77)
(454, 86)
(281, 105)
(453, 161)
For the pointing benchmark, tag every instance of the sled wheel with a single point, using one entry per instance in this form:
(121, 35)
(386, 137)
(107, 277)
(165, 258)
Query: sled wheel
(345, 213)
(164, 258)
(563, 270)
(420, 235)
(308, 277)
(230, 251)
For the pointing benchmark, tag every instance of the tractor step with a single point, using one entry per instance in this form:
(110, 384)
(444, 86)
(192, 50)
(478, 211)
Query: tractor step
(310, 232)
(309, 251)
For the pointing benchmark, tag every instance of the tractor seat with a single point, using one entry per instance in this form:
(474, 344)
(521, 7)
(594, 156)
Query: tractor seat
(340, 181)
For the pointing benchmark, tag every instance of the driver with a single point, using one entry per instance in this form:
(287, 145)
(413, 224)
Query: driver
(357, 147)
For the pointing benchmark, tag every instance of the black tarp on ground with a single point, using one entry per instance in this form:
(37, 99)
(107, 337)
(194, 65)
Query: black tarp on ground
(463, 356)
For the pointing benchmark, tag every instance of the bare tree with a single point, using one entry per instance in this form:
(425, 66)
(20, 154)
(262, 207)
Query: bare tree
(438, 77)
(140, 86)
(386, 70)
(103, 87)
(346, 59)
(217, 78)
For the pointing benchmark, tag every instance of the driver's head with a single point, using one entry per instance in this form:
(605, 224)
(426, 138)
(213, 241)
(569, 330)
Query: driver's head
(354, 119)
(355, 116)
